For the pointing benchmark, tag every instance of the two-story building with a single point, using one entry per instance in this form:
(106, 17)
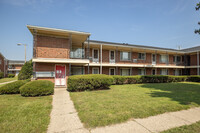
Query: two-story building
(58, 53)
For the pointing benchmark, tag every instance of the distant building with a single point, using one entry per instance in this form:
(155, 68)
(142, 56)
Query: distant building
(10, 66)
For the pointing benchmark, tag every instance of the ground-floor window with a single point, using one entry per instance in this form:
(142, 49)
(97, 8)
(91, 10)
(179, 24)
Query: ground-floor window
(125, 72)
(163, 72)
(177, 72)
(112, 71)
(95, 70)
(141, 71)
(77, 70)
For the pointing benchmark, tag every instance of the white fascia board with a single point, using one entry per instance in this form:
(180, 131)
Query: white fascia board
(53, 60)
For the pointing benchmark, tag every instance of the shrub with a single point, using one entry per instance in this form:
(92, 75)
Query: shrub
(177, 78)
(126, 79)
(89, 82)
(1, 75)
(37, 88)
(155, 79)
(194, 78)
(26, 71)
(12, 88)
(11, 75)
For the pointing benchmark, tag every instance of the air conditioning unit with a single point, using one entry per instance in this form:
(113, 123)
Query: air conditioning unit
(135, 60)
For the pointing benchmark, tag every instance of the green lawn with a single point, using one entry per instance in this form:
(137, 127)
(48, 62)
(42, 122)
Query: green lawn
(123, 102)
(194, 128)
(7, 79)
(24, 114)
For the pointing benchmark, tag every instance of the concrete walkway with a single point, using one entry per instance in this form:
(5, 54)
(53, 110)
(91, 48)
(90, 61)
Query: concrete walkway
(64, 118)
(8, 82)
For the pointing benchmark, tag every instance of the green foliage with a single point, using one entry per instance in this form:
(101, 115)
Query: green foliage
(26, 71)
(12, 88)
(194, 78)
(1, 75)
(126, 79)
(197, 31)
(37, 88)
(11, 75)
(89, 82)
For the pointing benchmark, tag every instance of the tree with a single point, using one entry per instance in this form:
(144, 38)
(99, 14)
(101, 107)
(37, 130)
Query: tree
(197, 31)
(26, 71)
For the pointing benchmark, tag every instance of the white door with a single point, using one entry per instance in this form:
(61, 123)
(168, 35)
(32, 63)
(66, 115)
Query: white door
(96, 55)
(112, 56)
(153, 59)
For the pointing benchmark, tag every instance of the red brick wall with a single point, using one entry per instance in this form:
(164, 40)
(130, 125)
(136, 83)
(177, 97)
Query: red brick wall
(52, 47)
(193, 71)
(193, 60)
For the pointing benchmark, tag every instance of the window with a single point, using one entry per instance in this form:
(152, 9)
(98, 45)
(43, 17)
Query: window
(177, 59)
(95, 70)
(141, 56)
(77, 53)
(141, 71)
(45, 74)
(95, 55)
(177, 72)
(125, 56)
(163, 72)
(112, 71)
(77, 70)
(125, 72)
(163, 58)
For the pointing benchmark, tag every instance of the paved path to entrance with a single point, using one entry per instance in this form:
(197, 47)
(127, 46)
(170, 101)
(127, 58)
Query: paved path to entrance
(64, 119)
(8, 82)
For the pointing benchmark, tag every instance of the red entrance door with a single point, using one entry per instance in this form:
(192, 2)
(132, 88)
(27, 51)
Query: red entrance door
(60, 75)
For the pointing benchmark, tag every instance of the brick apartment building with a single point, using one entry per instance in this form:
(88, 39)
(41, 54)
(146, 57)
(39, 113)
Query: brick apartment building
(58, 53)
(10, 66)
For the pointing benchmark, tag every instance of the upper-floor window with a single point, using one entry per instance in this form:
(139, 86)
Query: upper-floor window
(141, 71)
(177, 59)
(141, 56)
(77, 53)
(95, 55)
(164, 58)
(125, 56)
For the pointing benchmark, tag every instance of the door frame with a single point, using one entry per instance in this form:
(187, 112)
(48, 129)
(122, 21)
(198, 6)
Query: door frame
(110, 70)
(110, 56)
(152, 59)
(55, 73)
(93, 56)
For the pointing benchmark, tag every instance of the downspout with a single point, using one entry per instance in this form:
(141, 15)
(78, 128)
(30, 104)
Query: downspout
(198, 63)
(101, 61)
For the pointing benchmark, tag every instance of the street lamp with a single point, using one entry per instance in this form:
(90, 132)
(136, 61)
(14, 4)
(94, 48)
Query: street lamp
(19, 44)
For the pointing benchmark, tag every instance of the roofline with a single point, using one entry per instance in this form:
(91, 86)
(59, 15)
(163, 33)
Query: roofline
(57, 30)
(135, 46)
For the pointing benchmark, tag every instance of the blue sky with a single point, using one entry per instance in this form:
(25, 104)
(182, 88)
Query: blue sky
(162, 23)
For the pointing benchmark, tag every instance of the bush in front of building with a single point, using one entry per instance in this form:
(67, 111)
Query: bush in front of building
(12, 88)
(195, 78)
(126, 79)
(89, 82)
(11, 75)
(37, 88)
(26, 71)
(177, 78)
(1, 75)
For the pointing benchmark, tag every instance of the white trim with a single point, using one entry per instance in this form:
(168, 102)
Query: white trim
(93, 59)
(153, 63)
(95, 68)
(60, 60)
(110, 69)
(55, 74)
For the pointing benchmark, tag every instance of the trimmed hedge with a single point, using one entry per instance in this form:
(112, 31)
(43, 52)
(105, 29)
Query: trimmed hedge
(194, 78)
(12, 88)
(89, 82)
(126, 79)
(37, 88)
(11, 75)
(1, 75)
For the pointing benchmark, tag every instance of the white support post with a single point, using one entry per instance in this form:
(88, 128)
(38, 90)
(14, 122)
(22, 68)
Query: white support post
(101, 60)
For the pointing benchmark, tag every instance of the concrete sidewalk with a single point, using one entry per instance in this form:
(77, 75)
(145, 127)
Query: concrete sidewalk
(8, 82)
(64, 118)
